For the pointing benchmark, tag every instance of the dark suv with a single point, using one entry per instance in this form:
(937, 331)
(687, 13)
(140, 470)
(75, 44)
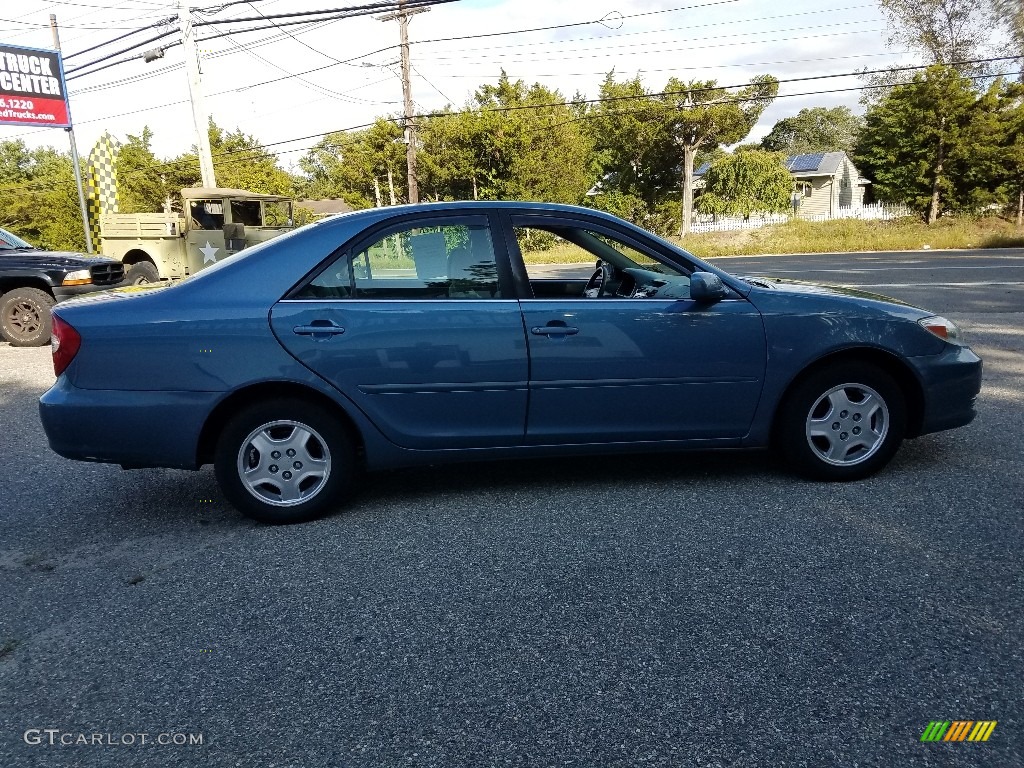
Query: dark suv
(33, 280)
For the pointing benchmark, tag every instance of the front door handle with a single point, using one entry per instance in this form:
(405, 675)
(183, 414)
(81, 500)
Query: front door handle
(320, 330)
(554, 330)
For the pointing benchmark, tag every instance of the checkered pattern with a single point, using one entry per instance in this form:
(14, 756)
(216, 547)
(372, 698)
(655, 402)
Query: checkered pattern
(102, 182)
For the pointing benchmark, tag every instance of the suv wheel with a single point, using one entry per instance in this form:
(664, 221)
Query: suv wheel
(25, 317)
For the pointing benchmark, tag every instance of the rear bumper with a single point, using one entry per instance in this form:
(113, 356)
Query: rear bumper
(951, 382)
(134, 429)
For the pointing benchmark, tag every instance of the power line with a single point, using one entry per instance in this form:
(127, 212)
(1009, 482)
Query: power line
(706, 68)
(161, 23)
(310, 26)
(109, 56)
(379, 7)
(352, 12)
(687, 27)
(648, 96)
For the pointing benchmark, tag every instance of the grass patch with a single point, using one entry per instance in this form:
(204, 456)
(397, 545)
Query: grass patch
(836, 236)
(841, 235)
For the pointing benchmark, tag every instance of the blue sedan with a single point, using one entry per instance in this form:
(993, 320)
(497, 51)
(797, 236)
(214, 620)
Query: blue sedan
(419, 334)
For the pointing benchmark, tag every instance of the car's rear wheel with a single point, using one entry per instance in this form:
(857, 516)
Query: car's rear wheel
(25, 319)
(142, 273)
(285, 461)
(844, 422)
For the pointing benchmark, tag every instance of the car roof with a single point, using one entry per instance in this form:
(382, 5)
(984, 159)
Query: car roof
(448, 206)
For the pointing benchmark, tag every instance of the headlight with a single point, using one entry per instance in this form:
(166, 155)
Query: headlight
(943, 328)
(78, 277)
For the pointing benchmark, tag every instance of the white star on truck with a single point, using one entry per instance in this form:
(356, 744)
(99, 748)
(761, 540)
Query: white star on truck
(209, 253)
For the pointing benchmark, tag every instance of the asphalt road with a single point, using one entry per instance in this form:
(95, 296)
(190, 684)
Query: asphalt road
(687, 610)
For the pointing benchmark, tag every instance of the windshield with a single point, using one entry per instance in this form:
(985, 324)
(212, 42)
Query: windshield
(10, 241)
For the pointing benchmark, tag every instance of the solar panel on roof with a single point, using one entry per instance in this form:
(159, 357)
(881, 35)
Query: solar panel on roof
(803, 163)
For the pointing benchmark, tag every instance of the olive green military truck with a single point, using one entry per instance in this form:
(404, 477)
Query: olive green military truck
(214, 223)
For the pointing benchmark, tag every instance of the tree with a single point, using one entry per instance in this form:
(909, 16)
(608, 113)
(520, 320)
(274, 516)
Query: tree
(1010, 15)
(38, 199)
(511, 141)
(947, 32)
(705, 116)
(818, 129)
(943, 31)
(240, 161)
(141, 179)
(634, 151)
(748, 182)
(647, 144)
(360, 167)
(917, 139)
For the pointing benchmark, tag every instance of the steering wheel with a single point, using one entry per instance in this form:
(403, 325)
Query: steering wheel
(600, 281)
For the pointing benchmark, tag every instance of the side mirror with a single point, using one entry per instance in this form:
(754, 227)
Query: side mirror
(707, 287)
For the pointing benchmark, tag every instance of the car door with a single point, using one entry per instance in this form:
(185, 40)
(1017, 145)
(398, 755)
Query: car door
(634, 368)
(417, 324)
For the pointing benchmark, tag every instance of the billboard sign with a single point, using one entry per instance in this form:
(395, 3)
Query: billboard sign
(32, 90)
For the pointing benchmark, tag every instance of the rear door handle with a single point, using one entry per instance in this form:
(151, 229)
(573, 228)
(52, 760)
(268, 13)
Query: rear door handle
(319, 329)
(554, 330)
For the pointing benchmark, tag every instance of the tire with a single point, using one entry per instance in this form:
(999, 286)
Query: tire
(25, 319)
(254, 479)
(844, 422)
(142, 273)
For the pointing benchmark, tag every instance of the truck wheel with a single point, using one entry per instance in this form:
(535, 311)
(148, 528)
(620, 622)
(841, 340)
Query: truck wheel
(142, 273)
(25, 317)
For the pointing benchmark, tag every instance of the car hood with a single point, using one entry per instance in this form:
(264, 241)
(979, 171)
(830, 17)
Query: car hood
(788, 285)
(60, 259)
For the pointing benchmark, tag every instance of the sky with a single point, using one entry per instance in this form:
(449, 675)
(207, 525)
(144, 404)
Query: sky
(249, 84)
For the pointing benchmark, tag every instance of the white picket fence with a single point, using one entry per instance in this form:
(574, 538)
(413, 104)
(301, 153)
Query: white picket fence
(709, 223)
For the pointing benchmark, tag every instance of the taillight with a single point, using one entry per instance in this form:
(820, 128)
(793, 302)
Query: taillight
(64, 343)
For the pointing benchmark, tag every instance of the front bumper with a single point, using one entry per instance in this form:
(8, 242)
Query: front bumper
(64, 292)
(130, 428)
(951, 382)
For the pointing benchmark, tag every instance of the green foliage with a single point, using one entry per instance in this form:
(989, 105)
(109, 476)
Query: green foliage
(512, 142)
(918, 142)
(355, 166)
(646, 144)
(38, 198)
(239, 162)
(141, 178)
(818, 129)
(492, 149)
(753, 181)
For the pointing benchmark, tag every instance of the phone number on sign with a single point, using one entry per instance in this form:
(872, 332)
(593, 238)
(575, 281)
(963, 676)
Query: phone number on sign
(17, 104)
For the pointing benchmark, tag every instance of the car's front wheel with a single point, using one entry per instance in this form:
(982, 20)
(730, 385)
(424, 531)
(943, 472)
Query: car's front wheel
(285, 461)
(25, 319)
(844, 422)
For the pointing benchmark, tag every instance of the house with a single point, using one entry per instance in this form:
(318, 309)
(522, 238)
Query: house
(825, 182)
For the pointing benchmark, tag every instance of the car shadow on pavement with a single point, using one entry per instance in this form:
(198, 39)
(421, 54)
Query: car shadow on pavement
(578, 472)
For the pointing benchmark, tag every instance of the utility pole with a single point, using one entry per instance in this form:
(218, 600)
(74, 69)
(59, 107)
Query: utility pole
(74, 155)
(195, 91)
(402, 14)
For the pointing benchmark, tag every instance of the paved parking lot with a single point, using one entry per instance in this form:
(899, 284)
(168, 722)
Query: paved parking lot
(684, 610)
